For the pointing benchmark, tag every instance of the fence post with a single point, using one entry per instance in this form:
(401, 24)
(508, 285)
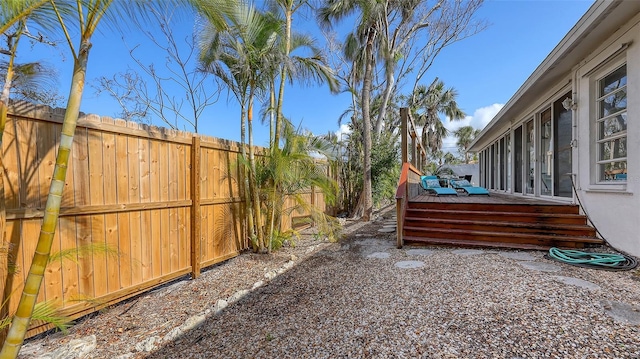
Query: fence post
(196, 218)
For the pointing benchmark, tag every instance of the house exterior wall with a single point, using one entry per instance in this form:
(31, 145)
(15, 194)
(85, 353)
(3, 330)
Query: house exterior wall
(613, 208)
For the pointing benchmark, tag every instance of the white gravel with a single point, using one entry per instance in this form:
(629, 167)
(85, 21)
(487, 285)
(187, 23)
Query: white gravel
(341, 303)
(347, 300)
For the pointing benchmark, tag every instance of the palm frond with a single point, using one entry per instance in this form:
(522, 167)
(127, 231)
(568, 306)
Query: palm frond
(91, 249)
(48, 312)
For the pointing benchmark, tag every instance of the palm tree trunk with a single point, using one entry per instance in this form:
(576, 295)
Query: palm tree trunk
(272, 210)
(271, 213)
(367, 201)
(283, 77)
(385, 101)
(21, 320)
(4, 104)
(272, 112)
(253, 186)
(245, 174)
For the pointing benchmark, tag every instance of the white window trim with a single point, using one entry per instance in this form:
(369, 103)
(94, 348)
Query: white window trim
(603, 70)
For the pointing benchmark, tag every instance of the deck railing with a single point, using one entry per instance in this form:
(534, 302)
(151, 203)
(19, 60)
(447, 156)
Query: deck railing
(411, 141)
(408, 188)
(409, 183)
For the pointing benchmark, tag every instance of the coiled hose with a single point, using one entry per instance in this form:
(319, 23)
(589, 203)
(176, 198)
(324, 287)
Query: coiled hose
(607, 261)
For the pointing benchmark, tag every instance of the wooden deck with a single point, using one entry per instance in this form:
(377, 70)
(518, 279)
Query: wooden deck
(498, 220)
(494, 198)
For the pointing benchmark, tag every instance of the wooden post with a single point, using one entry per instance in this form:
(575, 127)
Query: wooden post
(404, 114)
(414, 148)
(399, 221)
(196, 219)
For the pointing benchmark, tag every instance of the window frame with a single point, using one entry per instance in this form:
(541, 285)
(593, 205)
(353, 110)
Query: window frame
(599, 138)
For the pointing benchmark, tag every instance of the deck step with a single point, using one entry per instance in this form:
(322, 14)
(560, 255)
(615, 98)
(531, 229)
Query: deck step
(507, 237)
(467, 243)
(500, 225)
(499, 207)
(559, 218)
(505, 221)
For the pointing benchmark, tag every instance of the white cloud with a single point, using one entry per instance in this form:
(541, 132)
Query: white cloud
(344, 130)
(480, 118)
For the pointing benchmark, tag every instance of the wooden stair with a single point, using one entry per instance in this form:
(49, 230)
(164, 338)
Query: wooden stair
(507, 225)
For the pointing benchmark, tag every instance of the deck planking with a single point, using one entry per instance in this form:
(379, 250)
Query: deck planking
(494, 198)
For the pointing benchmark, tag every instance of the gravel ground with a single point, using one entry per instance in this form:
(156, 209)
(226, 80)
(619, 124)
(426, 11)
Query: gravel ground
(363, 298)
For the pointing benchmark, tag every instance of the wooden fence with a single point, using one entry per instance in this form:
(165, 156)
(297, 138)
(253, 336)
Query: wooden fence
(163, 203)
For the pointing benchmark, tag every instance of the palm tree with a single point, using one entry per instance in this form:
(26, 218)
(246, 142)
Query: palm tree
(450, 159)
(88, 15)
(298, 67)
(465, 135)
(369, 14)
(426, 104)
(286, 172)
(289, 7)
(14, 16)
(290, 68)
(243, 55)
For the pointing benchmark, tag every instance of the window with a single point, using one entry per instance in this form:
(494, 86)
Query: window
(530, 159)
(507, 140)
(611, 126)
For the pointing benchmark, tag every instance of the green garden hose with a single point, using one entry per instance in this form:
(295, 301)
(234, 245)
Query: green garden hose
(608, 261)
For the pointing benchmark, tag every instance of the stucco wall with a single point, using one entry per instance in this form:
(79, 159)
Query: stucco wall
(614, 209)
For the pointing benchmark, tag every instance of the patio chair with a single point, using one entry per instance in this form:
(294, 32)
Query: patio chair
(431, 184)
(464, 185)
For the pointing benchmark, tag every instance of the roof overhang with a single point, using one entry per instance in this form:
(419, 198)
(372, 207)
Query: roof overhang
(601, 20)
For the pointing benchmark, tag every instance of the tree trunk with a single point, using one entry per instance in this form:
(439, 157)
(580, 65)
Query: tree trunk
(4, 259)
(367, 200)
(272, 112)
(245, 175)
(253, 186)
(283, 76)
(358, 210)
(22, 318)
(385, 101)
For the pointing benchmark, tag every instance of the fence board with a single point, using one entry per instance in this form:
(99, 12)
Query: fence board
(174, 231)
(30, 229)
(80, 168)
(81, 178)
(45, 162)
(145, 216)
(11, 166)
(46, 146)
(85, 262)
(15, 273)
(184, 216)
(204, 194)
(128, 187)
(30, 191)
(70, 289)
(122, 194)
(133, 161)
(96, 196)
(154, 188)
(184, 243)
(113, 260)
(164, 242)
(164, 214)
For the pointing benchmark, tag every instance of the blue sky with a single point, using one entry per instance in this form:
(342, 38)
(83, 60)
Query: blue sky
(485, 69)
